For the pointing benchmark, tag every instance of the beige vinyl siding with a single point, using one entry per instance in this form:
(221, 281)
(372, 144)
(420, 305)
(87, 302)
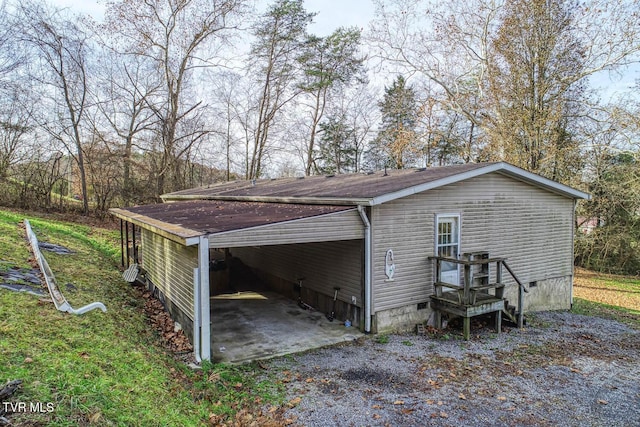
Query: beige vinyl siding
(324, 265)
(170, 267)
(337, 226)
(505, 217)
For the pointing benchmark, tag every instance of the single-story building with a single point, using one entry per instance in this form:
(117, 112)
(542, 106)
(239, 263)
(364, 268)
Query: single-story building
(372, 235)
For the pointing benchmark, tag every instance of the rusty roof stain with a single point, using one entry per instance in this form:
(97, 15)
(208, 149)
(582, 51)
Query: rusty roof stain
(344, 187)
(199, 217)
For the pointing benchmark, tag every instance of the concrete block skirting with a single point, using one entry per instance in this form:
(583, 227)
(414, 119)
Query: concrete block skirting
(549, 294)
(400, 319)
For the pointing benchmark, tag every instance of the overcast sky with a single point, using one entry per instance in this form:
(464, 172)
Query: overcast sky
(331, 14)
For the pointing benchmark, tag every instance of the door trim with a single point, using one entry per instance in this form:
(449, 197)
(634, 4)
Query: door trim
(458, 220)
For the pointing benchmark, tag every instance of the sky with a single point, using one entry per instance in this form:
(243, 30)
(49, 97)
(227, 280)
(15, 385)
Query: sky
(331, 14)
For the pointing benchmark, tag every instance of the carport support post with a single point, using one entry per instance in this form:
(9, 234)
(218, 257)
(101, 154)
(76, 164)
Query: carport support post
(205, 326)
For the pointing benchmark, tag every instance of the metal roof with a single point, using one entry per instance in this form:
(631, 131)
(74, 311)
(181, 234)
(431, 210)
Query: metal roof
(182, 221)
(363, 189)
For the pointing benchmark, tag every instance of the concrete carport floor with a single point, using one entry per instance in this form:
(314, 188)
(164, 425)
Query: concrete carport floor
(254, 325)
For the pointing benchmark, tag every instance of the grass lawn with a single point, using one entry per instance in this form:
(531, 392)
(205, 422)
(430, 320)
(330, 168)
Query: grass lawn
(104, 368)
(607, 295)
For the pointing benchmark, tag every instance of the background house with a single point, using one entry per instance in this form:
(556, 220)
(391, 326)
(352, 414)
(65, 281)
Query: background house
(371, 235)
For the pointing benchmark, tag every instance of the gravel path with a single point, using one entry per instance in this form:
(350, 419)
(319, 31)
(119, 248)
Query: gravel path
(562, 369)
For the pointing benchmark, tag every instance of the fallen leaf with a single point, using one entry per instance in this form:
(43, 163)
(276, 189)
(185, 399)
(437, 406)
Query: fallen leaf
(214, 377)
(430, 402)
(309, 380)
(444, 415)
(462, 396)
(407, 411)
(440, 403)
(603, 402)
(28, 360)
(294, 402)
(238, 386)
(502, 398)
(94, 418)
(577, 371)
(84, 355)
(377, 407)
(376, 416)
(399, 402)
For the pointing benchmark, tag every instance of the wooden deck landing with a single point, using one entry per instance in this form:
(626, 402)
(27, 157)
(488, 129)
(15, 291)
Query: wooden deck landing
(476, 296)
(448, 302)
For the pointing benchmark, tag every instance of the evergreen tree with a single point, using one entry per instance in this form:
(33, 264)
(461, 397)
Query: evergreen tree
(327, 63)
(396, 142)
(337, 149)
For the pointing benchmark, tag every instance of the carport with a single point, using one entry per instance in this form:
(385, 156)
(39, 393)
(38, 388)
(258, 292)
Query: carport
(180, 241)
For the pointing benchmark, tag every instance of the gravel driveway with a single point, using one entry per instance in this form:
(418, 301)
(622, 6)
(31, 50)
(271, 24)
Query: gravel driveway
(562, 369)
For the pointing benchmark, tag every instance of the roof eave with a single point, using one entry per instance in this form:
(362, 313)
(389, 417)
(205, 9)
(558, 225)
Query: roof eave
(500, 167)
(549, 184)
(176, 233)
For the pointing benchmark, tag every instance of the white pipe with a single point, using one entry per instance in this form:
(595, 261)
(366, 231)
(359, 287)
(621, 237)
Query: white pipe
(196, 314)
(367, 268)
(59, 300)
(205, 325)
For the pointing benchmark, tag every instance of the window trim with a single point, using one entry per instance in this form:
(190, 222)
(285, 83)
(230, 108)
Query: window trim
(458, 219)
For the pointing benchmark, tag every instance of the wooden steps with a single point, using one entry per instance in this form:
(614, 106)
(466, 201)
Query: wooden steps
(477, 296)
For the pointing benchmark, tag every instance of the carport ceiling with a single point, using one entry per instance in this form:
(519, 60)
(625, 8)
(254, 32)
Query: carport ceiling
(183, 221)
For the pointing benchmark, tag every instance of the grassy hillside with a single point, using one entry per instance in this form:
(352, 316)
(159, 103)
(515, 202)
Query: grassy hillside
(103, 368)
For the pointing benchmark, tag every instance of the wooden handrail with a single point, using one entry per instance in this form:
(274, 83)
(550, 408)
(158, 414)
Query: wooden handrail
(504, 262)
(521, 291)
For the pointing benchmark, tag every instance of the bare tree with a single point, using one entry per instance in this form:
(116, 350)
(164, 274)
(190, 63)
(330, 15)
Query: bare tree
(11, 56)
(61, 47)
(533, 87)
(126, 89)
(16, 123)
(227, 88)
(279, 36)
(493, 46)
(177, 37)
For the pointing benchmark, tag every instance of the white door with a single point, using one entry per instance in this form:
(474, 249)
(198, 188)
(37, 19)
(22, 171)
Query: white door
(448, 245)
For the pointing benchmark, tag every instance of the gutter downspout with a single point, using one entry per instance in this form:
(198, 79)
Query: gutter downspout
(205, 325)
(367, 269)
(58, 299)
